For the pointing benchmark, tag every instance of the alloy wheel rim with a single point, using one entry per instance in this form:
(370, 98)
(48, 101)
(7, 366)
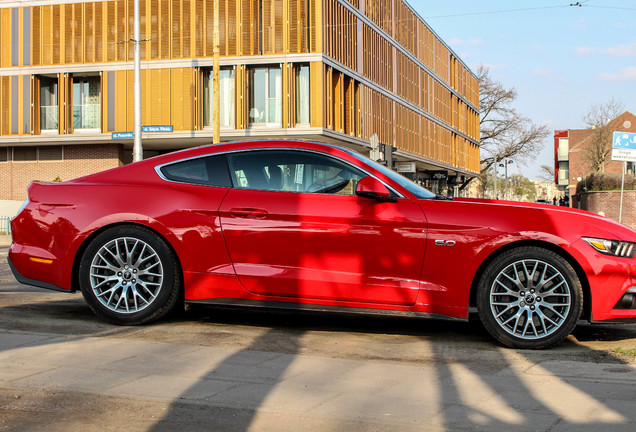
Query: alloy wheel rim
(126, 275)
(530, 299)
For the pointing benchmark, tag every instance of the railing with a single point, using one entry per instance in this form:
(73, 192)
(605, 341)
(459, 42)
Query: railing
(86, 116)
(48, 117)
(5, 225)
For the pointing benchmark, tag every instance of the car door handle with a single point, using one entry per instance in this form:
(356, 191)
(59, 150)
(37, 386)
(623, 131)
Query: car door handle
(248, 212)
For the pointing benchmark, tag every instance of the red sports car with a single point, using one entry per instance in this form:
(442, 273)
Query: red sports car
(311, 226)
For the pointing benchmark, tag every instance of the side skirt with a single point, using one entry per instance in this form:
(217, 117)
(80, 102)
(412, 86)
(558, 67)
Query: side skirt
(301, 307)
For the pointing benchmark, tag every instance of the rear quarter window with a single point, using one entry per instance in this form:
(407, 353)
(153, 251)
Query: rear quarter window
(208, 171)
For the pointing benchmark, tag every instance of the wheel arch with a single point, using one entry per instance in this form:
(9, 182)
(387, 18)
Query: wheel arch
(88, 240)
(587, 296)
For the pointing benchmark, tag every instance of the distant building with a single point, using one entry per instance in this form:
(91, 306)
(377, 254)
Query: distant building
(548, 191)
(572, 155)
(338, 71)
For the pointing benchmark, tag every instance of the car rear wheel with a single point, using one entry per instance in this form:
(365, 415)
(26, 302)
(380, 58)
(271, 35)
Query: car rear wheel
(129, 276)
(529, 297)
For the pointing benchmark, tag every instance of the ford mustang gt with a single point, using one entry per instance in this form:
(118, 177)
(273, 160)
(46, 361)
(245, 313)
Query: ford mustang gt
(311, 226)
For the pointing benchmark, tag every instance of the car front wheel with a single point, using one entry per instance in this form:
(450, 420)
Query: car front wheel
(129, 276)
(529, 297)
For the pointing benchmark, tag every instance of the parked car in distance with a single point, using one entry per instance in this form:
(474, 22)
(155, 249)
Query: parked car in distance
(312, 226)
(543, 201)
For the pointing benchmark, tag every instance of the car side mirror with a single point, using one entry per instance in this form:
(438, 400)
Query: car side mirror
(370, 187)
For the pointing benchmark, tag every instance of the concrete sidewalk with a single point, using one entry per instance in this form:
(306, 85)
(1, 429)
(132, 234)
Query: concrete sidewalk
(5, 240)
(260, 390)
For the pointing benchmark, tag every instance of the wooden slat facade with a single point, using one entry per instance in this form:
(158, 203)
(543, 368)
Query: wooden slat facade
(386, 71)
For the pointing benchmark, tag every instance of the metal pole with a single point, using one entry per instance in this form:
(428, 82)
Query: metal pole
(494, 165)
(620, 208)
(137, 149)
(216, 87)
(506, 185)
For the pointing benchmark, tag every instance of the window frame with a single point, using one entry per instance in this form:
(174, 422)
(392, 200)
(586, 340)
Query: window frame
(37, 158)
(52, 81)
(208, 107)
(79, 79)
(267, 97)
(159, 169)
(339, 161)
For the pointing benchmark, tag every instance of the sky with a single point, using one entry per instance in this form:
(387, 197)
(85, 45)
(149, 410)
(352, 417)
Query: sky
(561, 59)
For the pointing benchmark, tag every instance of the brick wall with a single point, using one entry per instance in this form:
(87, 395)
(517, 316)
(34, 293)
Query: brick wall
(608, 203)
(79, 160)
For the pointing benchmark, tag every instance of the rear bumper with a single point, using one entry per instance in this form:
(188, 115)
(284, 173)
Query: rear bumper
(37, 283)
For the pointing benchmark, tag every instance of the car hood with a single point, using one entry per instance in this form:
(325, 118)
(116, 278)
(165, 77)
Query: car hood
(565, 218)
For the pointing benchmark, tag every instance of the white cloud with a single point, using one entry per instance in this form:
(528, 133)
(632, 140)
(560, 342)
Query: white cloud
(456, 41)
(549, 74)
(584, 51)
(622, 25)
(476, 41)
(539, 48)
(620, 50)
(624, 74)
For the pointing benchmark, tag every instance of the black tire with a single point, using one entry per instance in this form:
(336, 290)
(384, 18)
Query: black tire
(129, 276)
(529, 298)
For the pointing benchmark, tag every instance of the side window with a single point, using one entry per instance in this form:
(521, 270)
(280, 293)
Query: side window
(293, 171)
(209, 171)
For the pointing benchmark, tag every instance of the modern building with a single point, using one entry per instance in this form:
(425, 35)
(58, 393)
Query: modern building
(329, 70)
(573, 154)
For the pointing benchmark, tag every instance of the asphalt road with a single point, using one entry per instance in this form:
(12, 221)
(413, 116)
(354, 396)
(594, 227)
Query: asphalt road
(62, 369)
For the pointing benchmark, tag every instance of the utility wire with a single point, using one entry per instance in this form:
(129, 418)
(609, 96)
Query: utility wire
(582, 3)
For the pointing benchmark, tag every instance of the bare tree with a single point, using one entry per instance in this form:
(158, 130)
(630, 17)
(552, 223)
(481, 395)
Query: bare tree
(504, 133)
(599, 120)
(546, 173)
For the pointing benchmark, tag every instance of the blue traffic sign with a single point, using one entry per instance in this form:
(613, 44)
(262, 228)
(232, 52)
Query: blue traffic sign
(123, 135)
(624, 140)
(156, 128)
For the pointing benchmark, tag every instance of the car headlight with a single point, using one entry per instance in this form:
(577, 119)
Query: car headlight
(612, 247)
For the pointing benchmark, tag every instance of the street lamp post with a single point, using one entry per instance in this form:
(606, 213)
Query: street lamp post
(505, 163)
(137, 149)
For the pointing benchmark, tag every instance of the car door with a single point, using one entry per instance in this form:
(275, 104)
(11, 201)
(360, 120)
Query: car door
(295, 228)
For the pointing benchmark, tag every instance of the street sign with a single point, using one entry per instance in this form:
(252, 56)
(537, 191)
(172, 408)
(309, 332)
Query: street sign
(156, 128)
(405, 167)
(624, 147)
(624, 140)
(123, 135)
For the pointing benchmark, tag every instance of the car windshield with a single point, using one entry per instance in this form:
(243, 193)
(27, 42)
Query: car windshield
(407, 184)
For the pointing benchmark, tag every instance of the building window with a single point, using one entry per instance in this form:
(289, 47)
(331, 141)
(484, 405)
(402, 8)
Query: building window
(25, 154)
(265, 96)
(4, 154)
(51, 154)
(49, 112)
(302, 94)
(226, 85)
(38, 154)
(564, 149)
(86, 102)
